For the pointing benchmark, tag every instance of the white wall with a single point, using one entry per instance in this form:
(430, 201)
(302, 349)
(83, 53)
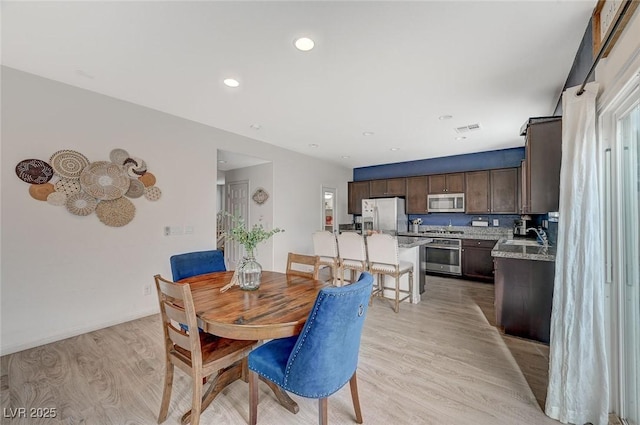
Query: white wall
(63, 275)
(259, 176)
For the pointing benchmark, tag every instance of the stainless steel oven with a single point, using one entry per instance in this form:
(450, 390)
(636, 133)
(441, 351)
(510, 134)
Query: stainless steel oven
(444, 256)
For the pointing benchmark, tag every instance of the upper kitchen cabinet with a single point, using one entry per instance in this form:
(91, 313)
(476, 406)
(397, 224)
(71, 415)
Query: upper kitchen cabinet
(504, 191)
(477, 192)
(357, 192)
(492, 191)
(417, 195)
(541, 166)
(446, 183)
(388, 187)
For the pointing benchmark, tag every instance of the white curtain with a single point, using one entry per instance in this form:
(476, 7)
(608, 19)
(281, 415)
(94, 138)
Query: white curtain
(578, 391)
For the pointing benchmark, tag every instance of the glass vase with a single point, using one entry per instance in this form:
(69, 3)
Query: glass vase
(249, 272)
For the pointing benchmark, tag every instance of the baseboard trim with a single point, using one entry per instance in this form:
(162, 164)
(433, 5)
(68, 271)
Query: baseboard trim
(11, 349)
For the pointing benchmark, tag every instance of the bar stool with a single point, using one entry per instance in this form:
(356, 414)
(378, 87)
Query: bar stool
(353, 254)
(382, 250)
(325, 246)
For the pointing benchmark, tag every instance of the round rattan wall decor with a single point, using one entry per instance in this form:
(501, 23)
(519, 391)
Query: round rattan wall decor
(81, 204)
(104, 180)
(116, 213)
(34, 171)
(84, 187)
(68, 163)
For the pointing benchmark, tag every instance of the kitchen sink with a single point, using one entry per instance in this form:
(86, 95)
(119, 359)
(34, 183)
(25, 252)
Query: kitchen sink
(521, 242)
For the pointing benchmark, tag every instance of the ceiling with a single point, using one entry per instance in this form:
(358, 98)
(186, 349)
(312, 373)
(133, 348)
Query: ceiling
(386, 68)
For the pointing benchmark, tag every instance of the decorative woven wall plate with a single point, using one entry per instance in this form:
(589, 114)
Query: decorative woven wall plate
(118, 156)
(34, 171)
(68, 163)
(136, 189)
(147, 179)
(152, 193)
(81, 204)
(116, 213)
(57, 198)
(41, 191)
(135, 167)
(260, 196)
(67, 186)
(104, 180)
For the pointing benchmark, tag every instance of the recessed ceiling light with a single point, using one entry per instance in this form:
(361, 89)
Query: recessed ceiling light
(231, 82)
(304, 44)
(368, 133)
(345, 157)
(222, 161)
(445, 117)
(460, 138)
(256, 126)
(313, 145)
(394, 149)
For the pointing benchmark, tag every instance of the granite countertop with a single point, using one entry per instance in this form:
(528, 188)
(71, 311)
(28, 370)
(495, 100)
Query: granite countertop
(461, 232)
(411, 242)
(521, 249)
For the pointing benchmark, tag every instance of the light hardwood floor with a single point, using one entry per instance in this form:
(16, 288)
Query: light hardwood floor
(437, 362)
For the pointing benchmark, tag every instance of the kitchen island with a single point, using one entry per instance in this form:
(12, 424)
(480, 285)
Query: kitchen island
(410, 249)
(524, 274)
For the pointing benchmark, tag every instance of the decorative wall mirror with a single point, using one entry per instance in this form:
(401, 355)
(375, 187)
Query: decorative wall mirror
(329, 208)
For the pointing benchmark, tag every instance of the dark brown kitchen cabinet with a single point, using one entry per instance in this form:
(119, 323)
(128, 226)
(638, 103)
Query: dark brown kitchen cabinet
(387, 187)
(417, 195)
(477, 263)
(523, 297)
(504, 191)
(492, 191)
(357, 191)
(477, 192)
(541, 167)
(446, 183)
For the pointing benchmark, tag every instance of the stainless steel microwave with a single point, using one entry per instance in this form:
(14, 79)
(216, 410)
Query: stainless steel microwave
(445, 202)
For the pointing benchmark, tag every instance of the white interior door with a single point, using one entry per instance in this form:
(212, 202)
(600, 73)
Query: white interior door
(628, 139)
(620, 134)
(238, 206)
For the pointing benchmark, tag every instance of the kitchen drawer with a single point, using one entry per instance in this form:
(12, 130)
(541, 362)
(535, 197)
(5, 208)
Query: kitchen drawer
(478, 243)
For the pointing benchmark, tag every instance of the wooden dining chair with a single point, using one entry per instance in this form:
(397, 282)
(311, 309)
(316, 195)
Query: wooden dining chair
(303, 265)
(198, 354)
(382, 251)
(325, 246)
(324, 357)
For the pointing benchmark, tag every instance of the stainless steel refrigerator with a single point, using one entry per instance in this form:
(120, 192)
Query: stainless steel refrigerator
(385, 215)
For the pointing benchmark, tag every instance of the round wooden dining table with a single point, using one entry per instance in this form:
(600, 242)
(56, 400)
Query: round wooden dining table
(277, 309)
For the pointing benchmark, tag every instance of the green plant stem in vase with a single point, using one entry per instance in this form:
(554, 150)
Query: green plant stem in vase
(249, 270)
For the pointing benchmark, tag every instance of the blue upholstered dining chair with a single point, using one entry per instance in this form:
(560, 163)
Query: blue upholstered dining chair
(195, 263)
(324, 357)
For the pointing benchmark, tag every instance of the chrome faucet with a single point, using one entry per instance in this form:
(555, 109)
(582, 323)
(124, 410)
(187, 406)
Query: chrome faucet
(542, 235)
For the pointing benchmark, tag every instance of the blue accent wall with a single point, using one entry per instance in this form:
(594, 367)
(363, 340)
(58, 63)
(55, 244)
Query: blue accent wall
(460, 219)
(504, 158)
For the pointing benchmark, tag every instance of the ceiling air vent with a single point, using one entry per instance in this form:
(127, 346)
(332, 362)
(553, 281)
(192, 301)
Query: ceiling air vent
(468, 128)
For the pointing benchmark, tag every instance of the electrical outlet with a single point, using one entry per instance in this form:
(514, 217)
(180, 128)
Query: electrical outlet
(147, 289)
(496, 222)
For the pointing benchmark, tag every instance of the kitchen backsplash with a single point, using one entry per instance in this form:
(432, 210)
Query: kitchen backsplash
(458, 219)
